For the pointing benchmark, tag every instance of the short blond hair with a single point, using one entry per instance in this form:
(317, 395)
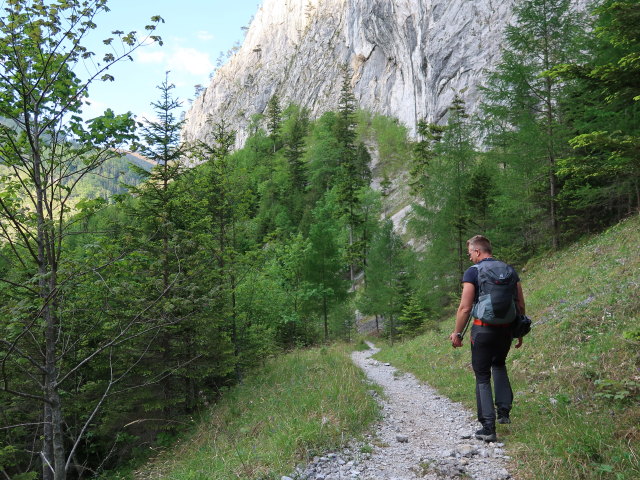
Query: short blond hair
(480, 242)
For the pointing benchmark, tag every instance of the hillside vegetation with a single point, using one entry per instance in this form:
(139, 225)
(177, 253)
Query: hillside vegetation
(123, 317)
(577, 378)
(296, 406)
(576, 382)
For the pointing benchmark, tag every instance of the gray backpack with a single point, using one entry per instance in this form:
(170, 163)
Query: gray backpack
(496, 297)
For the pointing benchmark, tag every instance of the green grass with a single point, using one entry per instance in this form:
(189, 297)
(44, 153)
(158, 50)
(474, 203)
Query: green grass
(577, 377)
(298, 405)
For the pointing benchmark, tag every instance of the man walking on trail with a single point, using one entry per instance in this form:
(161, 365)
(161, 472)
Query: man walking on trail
(490, 339)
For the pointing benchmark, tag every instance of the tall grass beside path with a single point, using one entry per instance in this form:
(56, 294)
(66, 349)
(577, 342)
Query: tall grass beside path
(576, 379)
(298, 405)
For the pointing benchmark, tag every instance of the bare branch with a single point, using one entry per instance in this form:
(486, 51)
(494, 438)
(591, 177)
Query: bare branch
(46, 461)
(142, 420)
(26, 236)
(12, 346)
(21, 425)
(159, 377)
(25, 395)
(12, 245)
(17, 285)
(105, 394)
(119, 337)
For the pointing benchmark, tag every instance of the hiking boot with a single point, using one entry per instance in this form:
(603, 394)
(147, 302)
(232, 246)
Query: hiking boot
(503, 417)
(486, 434)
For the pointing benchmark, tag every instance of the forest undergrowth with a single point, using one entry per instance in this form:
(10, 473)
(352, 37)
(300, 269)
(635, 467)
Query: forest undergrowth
(296, 406)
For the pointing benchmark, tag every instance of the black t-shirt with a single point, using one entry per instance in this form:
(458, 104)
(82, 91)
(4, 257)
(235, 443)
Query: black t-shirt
(471, 276)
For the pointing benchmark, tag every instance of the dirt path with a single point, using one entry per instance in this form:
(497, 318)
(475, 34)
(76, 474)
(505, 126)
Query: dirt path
(421, 435)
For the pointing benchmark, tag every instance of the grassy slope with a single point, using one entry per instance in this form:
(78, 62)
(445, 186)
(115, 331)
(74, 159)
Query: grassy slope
(577, 378)
(296, 406)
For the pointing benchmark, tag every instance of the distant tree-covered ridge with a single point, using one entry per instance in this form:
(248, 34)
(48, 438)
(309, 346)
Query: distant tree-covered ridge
(114, 176)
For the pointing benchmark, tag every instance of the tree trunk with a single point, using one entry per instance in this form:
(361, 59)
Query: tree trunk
(47, 445)
(58, 437)
(324, 313)
(460, 250)
(551, 155)
(352, 275)
(53, 449)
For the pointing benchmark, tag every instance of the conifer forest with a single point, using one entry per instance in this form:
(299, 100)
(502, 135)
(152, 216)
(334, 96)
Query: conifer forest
(130, 304)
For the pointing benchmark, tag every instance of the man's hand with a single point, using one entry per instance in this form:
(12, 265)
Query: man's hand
(456, 341)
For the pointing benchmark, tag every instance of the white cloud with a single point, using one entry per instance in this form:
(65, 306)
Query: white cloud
(205, 36)
(146, 117)
(189, 60)
(94, 109)
(150, 56)
(148, 41)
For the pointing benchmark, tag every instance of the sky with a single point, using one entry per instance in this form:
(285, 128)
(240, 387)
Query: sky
(194, 33)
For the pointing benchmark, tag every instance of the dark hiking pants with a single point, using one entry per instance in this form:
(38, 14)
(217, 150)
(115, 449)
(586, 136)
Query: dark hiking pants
(489, 349)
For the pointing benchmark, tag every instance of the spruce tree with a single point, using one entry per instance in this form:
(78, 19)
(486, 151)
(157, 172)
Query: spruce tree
(385, 270)
(324, 265)
(274, 120)
(413, 317)
(601, 175)
(445, 214)
(222, 207)
(296, 130)
(160, 232)
(353, 174)
(429, 135)
(524, 101)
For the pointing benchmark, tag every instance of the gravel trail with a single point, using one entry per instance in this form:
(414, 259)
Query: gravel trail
(421, 435)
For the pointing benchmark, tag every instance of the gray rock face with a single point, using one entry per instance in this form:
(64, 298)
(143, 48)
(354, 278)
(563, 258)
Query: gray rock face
(408, 58)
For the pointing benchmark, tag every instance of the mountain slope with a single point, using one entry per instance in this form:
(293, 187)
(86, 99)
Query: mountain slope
(577, 377)
(408, 58)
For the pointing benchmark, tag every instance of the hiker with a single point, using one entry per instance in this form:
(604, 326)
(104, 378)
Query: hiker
(491, 333)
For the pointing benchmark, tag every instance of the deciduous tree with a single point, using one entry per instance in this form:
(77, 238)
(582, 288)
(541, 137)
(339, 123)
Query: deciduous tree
(45, 149)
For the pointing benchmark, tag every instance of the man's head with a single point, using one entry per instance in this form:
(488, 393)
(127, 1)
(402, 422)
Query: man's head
(479, 248)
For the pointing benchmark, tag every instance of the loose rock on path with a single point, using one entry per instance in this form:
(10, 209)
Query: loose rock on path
(421, 435)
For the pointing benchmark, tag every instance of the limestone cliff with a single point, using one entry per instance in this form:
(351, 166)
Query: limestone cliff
(408, 57)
